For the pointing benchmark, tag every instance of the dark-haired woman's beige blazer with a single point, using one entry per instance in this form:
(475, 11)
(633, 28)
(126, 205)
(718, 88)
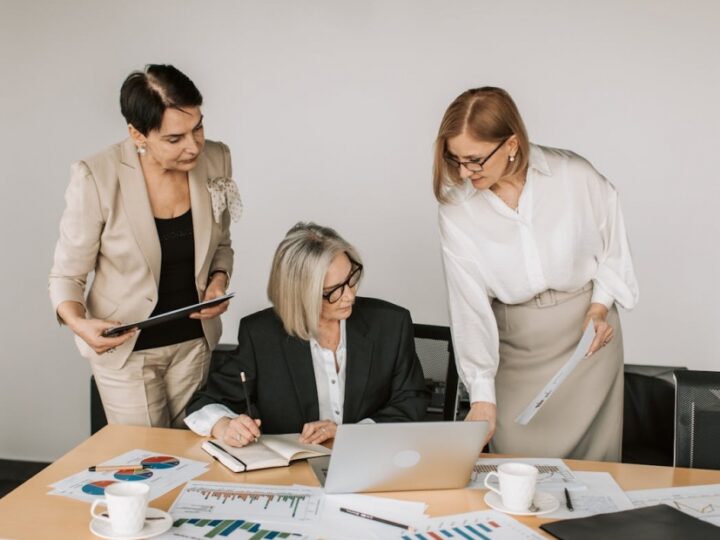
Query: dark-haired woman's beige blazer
(108, 227)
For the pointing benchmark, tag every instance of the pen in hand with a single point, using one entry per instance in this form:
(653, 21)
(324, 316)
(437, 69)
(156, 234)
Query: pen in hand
(247, 397)
(568, 501)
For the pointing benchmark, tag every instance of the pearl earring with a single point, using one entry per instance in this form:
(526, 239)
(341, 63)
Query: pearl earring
(511, 158)
(141, 150)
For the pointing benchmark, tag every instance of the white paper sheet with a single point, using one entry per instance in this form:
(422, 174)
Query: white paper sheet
(163, 472)
(702, 502)
(601, 495)
(554, 474)
(335, 524)
(538, 401)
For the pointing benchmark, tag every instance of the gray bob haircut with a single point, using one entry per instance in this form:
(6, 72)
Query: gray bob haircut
(298, 271)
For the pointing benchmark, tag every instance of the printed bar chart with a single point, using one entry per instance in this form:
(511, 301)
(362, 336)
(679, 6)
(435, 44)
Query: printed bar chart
(234, 529)
(483, 525)
(255, 502)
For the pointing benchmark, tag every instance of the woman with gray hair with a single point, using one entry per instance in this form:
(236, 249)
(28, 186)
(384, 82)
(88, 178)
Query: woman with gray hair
(321, 356)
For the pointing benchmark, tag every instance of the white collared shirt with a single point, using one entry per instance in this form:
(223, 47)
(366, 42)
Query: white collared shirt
(568, 230)
(330, 386)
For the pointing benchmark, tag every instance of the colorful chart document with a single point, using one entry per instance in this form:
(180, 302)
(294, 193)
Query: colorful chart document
(162, 472)
(254, 502)
(227, 529)
(487, 524)
(562, 374)
(702, 502)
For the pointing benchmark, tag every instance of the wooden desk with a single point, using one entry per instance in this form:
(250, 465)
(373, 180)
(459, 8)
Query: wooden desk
(28, 513)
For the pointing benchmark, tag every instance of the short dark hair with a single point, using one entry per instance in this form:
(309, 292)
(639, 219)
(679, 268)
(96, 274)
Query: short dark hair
(145, 95)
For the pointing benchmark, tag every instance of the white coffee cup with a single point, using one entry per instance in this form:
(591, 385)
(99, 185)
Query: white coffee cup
(517, 485)
(127, 504)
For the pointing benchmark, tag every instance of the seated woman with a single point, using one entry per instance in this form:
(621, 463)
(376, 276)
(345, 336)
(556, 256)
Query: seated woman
(319, 357)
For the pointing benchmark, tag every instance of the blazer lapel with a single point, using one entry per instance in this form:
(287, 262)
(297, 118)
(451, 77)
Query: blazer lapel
(358, 365)
(137, 207)
(201, 212)
(300, 366)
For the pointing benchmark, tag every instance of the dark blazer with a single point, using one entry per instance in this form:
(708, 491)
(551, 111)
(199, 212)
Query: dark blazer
(384, 380)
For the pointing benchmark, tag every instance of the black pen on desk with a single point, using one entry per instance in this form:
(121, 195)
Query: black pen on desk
(568, 501)
(247, 397)
(378, 519)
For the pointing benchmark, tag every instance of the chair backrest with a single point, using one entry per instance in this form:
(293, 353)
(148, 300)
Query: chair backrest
(435, 350)
(697, 419)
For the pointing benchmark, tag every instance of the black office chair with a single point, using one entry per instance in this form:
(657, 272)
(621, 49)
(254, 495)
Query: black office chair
(697, 419)
(435, 350)
(649, 415)
(98, 420)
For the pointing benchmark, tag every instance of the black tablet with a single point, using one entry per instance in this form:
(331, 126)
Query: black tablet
(167, 316)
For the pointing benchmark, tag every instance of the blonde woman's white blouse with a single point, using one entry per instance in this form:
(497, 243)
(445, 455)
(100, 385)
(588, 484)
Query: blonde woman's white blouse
(568, 230)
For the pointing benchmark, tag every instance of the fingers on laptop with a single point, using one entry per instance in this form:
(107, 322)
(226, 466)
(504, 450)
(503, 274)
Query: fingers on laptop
(318, 432)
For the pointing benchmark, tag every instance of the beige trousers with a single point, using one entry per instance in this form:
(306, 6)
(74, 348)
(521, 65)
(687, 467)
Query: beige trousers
(583, 418)
(153, 387)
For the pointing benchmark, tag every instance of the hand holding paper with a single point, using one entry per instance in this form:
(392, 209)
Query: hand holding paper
(560, 376)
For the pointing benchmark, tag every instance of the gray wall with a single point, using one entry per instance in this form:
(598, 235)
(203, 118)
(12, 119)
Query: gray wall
(330, 109)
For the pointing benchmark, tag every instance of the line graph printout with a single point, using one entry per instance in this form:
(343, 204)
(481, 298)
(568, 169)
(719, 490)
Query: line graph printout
(554, 473)
(702, 502)
(254, 502)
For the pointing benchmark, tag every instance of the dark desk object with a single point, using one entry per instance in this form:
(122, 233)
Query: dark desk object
(649, 414)
(697, 419)
(660, 522)
(434, 347)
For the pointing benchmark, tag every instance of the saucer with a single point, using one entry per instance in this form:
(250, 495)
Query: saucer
(152, 528)
(545, 502)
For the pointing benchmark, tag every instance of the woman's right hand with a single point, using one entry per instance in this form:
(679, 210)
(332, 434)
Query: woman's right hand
(483, 410)
(90, 331)
(239, 431)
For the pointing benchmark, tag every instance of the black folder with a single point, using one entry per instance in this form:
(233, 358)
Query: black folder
(660, 522)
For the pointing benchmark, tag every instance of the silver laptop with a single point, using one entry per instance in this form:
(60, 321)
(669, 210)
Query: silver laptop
(402, 456)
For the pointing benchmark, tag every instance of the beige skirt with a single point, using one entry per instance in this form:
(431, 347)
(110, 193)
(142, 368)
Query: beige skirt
(583, 418)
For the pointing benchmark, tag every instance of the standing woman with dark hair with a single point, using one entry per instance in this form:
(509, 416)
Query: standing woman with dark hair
(150, 217)
(534, 249)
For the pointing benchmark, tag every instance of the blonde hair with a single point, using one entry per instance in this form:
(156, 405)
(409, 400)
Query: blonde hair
(298, 271)
(486, 114)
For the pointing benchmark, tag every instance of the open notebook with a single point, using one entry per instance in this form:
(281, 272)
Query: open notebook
(269, 451)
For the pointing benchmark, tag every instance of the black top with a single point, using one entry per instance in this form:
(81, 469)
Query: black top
(384, 380)
(177, 284)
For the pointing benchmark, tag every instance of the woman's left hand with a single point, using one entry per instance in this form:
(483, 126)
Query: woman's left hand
(215, 288)
(597, 314)
(318, 432)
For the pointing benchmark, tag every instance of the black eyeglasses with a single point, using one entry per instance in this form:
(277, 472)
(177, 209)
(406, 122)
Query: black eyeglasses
(334, 294)
(472, 165)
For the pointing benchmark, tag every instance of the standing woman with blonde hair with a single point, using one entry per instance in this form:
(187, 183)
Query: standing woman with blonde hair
(534, 249)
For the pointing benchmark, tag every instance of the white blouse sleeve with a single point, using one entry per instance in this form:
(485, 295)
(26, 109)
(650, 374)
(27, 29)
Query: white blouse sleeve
(203, 420)
(615, 279)
(473, 324)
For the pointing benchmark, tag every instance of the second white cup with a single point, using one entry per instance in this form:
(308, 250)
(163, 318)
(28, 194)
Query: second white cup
(517, 485)
(127, 504)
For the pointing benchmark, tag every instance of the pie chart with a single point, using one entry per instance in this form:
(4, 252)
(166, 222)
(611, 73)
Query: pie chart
(132, 474)
(97, 488)
(160, 462)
